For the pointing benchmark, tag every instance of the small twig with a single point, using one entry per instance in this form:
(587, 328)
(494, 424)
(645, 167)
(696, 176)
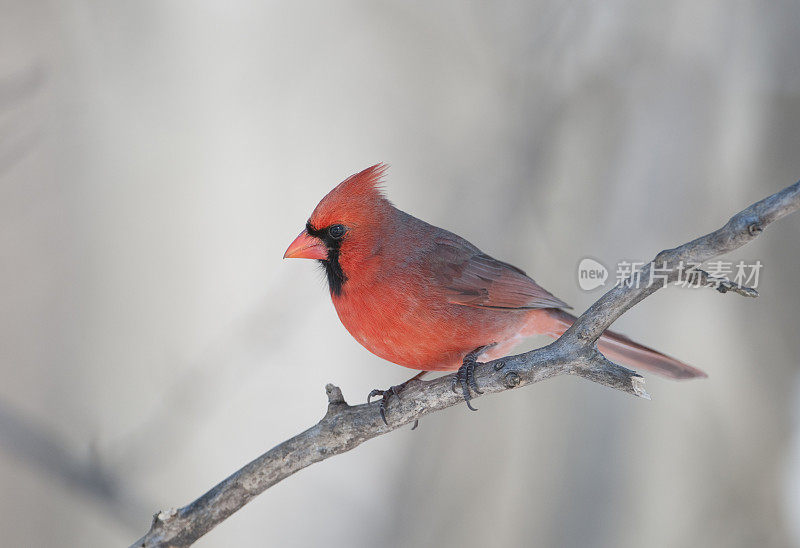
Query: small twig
(723, 285)
(344, 427)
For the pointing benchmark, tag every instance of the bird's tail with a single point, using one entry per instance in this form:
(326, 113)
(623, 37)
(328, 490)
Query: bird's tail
(618, 347)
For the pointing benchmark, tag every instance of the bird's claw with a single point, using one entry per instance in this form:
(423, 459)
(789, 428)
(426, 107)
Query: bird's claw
(385, 395)
(393, 391)
(465, 376)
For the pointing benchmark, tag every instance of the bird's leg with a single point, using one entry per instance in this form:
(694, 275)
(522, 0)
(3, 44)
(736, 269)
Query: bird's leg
(465, 376)
(393, 390)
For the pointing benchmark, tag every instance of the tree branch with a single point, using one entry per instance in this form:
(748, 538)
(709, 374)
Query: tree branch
(344, 426)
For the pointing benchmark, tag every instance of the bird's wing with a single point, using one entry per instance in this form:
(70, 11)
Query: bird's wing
(472, 278)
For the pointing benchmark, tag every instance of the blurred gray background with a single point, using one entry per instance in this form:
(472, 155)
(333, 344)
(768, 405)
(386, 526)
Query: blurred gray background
(156, 158)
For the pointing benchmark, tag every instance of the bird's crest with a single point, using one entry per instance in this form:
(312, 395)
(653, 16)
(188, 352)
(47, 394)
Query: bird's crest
(368, 182)
(354, 199)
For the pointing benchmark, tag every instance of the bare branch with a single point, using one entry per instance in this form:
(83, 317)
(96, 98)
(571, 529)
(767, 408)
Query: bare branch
(740, 229)
(723, 285)
(344, 426)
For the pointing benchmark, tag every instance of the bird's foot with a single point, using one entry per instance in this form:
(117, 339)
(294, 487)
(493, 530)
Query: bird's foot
(385, 395)
(465, 376)
(392, 391)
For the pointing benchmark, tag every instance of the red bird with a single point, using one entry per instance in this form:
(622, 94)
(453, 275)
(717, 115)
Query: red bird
(424, 298)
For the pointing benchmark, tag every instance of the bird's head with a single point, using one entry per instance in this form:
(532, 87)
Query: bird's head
(343, 230)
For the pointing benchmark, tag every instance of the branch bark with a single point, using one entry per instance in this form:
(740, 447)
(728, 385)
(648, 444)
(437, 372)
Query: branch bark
(344, 426)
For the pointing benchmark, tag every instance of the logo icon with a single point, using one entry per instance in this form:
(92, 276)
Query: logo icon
(591, 274)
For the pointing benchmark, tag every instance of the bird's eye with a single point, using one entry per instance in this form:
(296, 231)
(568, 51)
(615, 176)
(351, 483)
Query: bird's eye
(336, 231)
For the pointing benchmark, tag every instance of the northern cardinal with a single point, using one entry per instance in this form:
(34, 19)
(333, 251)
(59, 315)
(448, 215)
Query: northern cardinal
(424, 298)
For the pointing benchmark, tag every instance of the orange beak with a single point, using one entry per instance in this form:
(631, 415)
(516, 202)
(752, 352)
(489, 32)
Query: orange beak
(306, 246)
